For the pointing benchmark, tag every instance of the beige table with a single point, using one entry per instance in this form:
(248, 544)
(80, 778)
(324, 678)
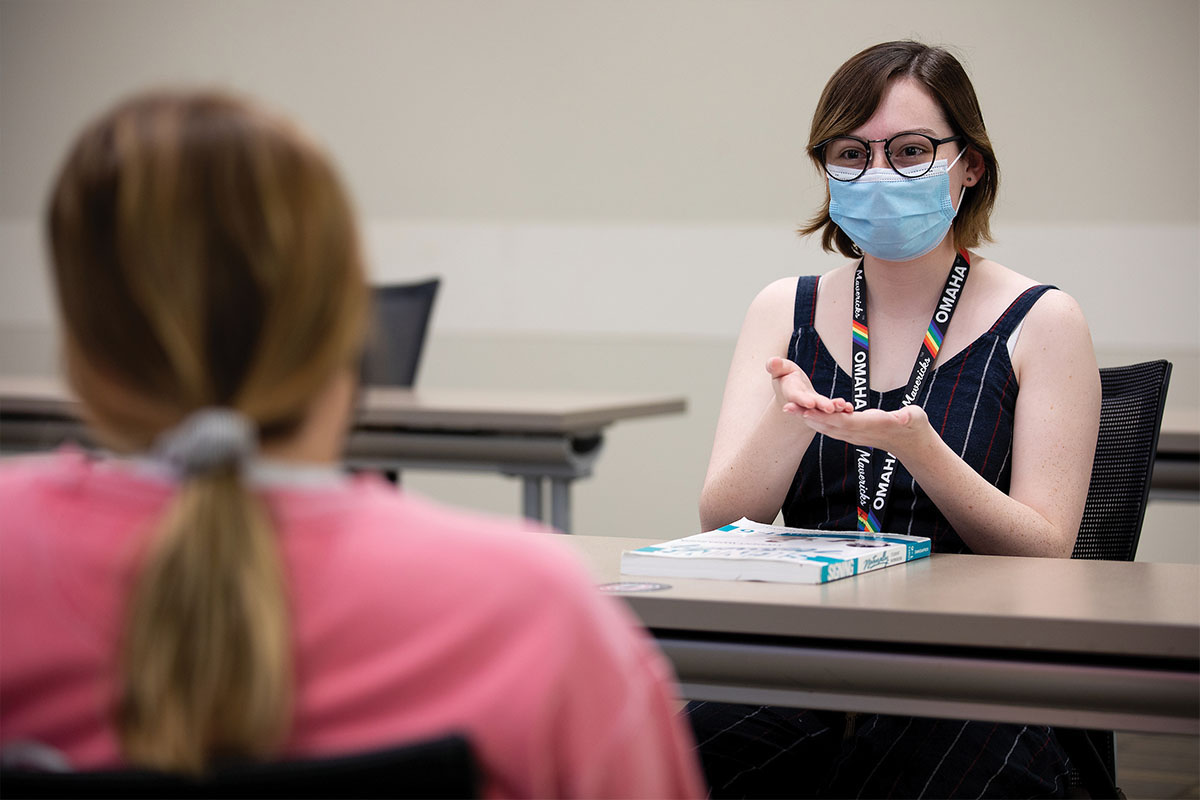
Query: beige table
(1094, 644)
(537, 437)
(1177, 467)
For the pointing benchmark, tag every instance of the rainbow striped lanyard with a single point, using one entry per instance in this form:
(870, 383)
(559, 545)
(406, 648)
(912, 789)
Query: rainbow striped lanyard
(871, 508)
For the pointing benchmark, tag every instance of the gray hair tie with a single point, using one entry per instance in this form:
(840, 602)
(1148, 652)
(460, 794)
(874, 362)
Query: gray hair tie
(206, 440)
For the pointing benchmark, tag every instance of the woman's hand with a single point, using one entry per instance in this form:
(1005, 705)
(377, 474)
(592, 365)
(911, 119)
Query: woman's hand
(895, 431)
(899, 432)
(794, 392)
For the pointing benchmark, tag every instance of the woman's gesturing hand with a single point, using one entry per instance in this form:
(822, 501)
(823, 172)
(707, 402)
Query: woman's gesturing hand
(794, 392)
(834, 417)
(895, 431)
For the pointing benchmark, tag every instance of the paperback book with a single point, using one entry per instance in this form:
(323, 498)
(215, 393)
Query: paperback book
(752, 551)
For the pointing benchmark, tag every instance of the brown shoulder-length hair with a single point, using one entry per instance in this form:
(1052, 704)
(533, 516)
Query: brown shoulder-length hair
(851, 98)
(205, 254)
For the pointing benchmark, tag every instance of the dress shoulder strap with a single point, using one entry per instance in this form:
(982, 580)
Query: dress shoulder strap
(806, 302)
(1012, 317)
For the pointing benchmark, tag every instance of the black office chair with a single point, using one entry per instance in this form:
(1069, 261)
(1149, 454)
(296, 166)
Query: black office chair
(1131, 409)
(437, 768)
(397, 338)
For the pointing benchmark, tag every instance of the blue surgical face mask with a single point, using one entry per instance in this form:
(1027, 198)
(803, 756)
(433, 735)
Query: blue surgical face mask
(892, 217)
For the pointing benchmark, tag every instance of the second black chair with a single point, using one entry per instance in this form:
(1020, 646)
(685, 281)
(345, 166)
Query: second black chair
(397, 338)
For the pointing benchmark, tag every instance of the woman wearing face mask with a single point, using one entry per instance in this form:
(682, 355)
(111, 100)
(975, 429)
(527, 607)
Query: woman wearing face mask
(918, 388)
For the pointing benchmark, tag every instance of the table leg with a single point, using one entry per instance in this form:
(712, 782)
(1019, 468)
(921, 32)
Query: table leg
(560, 504)
(531, 497)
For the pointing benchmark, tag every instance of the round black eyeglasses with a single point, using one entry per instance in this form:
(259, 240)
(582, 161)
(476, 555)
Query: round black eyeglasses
(911, 155)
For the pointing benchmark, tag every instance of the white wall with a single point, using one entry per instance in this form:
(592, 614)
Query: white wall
(605, 184)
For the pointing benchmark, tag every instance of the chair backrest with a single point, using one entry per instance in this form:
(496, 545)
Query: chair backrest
(437, 768)
(401, 320)
(1131, 409)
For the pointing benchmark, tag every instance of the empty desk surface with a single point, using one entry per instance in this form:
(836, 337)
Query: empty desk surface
(1049, 641)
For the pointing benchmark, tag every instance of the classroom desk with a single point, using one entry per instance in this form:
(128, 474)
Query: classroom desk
(1092, 644)
(537, 437)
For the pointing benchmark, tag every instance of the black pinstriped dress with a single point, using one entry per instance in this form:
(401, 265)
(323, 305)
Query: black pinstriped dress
(969, 400)
(758, 751)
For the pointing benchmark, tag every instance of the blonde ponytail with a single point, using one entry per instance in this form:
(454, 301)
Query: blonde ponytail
(206, 665)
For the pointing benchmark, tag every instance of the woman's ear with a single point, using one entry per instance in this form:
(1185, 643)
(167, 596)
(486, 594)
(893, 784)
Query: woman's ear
(975, 169)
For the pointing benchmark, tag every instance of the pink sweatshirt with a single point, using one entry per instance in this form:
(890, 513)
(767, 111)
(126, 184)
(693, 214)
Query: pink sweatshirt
(410, 621)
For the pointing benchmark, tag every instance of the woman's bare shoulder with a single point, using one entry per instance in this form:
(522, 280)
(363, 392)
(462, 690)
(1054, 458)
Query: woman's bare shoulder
(998, 279)
(769, 316)
(778, 292)
(1053, 329)
(777, 300)
(1007, 284)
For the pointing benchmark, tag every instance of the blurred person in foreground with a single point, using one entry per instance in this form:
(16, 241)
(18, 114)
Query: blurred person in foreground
(217, 589)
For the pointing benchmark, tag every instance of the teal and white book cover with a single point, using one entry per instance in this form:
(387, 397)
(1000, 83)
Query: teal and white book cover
(752, 551)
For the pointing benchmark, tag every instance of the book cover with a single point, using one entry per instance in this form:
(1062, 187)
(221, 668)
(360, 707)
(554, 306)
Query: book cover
(752, 551)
